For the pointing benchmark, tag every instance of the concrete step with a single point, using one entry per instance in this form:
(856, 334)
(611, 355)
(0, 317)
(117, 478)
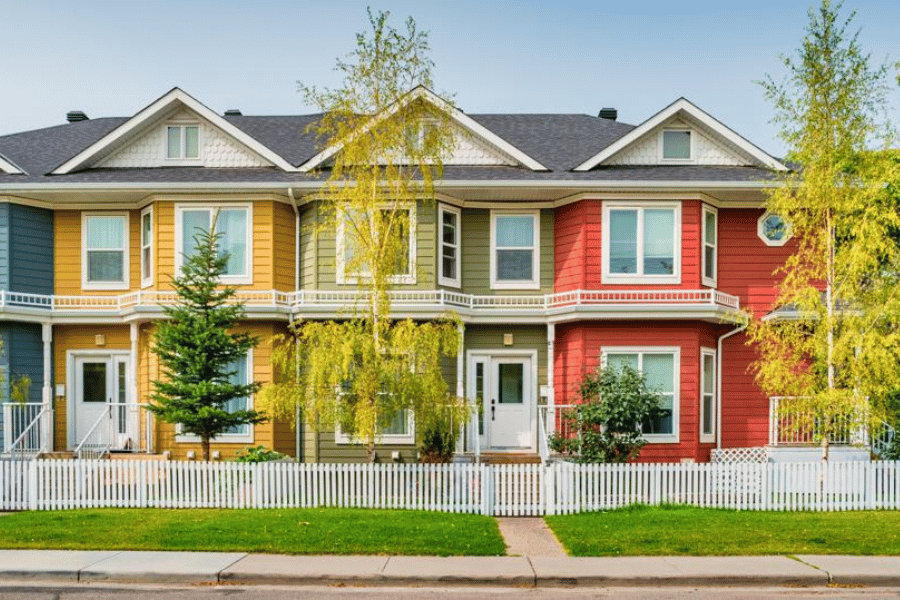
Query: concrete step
(510, 458)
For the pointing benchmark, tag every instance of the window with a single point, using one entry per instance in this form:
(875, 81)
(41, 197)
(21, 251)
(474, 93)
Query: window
(232, 222)
(773, 230)
(676, 144)
(710, 243)
(104, 261)
(641, 244)
(707, 395)
(183, 142)
(450, 232)
(147, 247)
(348, 240)
(661, 368)
(515, 243)
(396, 428)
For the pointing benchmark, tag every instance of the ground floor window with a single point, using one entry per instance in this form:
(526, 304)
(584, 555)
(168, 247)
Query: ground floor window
(661, 368)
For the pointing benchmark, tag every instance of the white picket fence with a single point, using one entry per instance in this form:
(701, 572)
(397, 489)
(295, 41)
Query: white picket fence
(559, 488)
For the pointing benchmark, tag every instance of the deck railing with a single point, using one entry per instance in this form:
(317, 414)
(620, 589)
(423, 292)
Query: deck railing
(419, 299)
(790, 426)
(26, 429)
(121, 427)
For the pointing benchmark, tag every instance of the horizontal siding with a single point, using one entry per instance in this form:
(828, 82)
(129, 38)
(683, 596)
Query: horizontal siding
(30, 249)
(68, 250)
(24, 346)
(525, 337)
(4, 245)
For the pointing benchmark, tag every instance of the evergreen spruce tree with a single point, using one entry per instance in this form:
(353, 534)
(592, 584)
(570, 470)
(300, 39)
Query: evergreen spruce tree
(197, 349)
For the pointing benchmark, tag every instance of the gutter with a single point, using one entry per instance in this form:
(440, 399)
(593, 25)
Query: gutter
(719, 382)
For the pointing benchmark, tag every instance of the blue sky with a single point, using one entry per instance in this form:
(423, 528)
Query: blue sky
(114, 58)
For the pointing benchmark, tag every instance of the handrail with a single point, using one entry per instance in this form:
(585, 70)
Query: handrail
(298, 300)
(882, 440)
(26, 434)
(96, 450)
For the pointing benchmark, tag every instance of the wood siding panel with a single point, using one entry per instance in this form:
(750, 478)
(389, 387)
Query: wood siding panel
(525, 337)
(30, 249)
(284, 255)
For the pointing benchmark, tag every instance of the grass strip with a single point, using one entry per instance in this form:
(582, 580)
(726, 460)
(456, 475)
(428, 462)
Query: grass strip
(275, 531)
(681, 530)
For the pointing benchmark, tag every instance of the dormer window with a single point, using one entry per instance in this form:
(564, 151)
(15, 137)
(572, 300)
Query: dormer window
(182, 142)
(676, 145)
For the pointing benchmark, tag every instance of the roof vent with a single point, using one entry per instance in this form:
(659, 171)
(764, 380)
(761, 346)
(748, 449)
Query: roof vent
(233, 112)
(609, 113)
(73, 116)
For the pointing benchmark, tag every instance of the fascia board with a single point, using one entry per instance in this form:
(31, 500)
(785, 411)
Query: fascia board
(682, 105)
(163, 104)
(457, 115)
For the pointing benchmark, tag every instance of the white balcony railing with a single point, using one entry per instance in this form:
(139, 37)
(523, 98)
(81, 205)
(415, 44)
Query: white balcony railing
(790, 426)
(121, 427)
(312, 300)
(26, 429)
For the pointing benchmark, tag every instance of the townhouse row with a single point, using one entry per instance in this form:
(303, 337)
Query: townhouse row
(627, 244)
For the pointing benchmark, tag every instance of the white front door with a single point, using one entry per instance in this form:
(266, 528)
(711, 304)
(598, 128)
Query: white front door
(504, 384)
(101, 383)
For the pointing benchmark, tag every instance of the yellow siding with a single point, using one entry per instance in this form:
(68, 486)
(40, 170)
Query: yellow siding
(79, 337)
(285, 247)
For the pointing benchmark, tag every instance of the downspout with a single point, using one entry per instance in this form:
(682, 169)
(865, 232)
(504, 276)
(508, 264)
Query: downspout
(719, 382)
(298, 413)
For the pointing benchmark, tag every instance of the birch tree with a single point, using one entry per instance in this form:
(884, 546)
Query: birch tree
(836, 349)
(368, 368)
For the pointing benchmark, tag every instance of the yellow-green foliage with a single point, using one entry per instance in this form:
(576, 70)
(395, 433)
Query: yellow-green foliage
(841, 354)
(391, 142)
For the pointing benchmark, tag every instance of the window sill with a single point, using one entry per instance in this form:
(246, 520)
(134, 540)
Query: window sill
(515, 285)
(97, 287)
(608, 279)
(381, 440)
(708, 282)
(708, 439)
(661, 439)
(222, 439)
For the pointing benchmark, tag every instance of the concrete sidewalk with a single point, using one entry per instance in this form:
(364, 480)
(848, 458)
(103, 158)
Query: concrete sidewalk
(239, 568)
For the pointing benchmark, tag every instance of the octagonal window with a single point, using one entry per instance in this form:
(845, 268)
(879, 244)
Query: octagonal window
(773, 230)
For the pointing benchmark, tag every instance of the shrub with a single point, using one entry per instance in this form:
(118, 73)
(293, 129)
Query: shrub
(258, 454)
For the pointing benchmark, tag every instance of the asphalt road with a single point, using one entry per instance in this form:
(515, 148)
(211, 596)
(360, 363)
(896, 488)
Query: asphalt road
(11, 591)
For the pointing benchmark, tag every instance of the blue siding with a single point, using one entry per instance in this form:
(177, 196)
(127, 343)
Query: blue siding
(30, 263)
(25, 352)
(4, 246)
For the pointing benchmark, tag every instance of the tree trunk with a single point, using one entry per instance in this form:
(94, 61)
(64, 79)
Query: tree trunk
(204, 447)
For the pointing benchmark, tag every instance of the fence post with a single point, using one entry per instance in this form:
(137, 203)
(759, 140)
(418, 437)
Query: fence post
(257, 485)
(487, 491)
(549, 491)
(33, 485)
(870, 468)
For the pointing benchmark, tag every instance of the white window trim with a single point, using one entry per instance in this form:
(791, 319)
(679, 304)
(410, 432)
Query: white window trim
(708, 438)
(344, 278)
(344, 439)
(760, 232)
(247, 278)
(181, 161)
(226, 438)
(657, 438)
(678, 161)
(148, 280)
(456, 281)
(709, 281)
(535, 282)
(126, 253)
(616, 278)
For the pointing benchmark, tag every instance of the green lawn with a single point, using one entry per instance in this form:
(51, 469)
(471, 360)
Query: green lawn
(281, 531)
(655, 531)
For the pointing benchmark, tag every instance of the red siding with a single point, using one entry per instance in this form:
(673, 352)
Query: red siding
(579, 248)
(747, 265)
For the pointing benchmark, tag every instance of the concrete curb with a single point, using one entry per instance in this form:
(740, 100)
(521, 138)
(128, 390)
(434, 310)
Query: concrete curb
(422, 571)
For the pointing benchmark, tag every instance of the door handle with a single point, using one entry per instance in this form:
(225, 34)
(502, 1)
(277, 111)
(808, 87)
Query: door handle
(493, 402)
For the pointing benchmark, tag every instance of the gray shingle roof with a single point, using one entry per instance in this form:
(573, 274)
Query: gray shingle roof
(558, 141)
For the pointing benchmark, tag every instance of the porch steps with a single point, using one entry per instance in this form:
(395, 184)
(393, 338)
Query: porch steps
(59, 455)
(136, 456)
(503, 458)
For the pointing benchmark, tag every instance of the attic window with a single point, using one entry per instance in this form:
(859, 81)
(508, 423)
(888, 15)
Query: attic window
(676, 144)
(182, 142)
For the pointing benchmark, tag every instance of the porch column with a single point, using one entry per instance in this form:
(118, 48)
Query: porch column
(47, 390)
(551, 394)
(134, 411)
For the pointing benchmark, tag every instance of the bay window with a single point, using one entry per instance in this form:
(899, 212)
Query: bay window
(710, 245)
(449, 232)
(104, 260)
(515, 247)
(641, 243)
(660, 367)
(233, 224)
(356, 230)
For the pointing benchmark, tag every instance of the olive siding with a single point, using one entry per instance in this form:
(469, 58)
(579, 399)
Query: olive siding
(476, 253)
(331, 452)
(319, 251)
(525, 337)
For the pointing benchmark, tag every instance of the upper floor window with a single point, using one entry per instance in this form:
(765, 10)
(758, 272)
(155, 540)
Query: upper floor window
(676, 144)
(515, 249)
(773, 230)
(147, 247)
(183, 142)
(710, 245)
(660, 367)
(449, 244)
(356, 230)
(104, 251)
(708, 410)
(641, 243)
(232, 222)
